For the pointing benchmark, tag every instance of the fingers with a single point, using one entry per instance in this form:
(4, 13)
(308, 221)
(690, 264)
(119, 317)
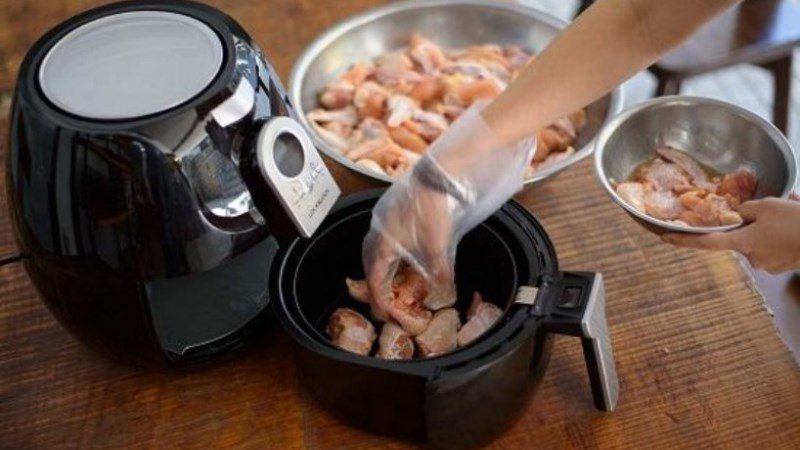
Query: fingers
(711, 241)
(794, 196)
(441, 283)
(380, 265)
(750, 210)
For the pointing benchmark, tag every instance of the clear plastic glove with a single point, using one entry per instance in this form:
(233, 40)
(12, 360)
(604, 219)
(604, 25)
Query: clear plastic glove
(465, 176)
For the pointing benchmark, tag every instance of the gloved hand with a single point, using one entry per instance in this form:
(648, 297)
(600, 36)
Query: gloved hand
(465, 176)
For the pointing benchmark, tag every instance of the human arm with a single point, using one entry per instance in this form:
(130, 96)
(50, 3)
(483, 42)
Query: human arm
(475, 166)
(608, 43)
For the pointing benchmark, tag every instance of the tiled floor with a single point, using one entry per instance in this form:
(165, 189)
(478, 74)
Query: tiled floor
(749, 87)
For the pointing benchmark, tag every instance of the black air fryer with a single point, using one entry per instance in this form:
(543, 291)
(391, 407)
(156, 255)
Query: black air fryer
(153, 161)
(165, 195)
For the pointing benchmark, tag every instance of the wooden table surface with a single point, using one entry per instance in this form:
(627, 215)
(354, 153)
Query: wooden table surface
(699, 362)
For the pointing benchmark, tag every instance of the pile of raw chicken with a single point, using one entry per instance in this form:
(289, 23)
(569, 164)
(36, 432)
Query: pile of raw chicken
(674, 187)
(414, 326)
(383, 114)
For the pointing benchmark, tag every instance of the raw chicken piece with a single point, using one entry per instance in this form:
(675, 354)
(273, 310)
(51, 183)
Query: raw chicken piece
(401, 108)
(427, 54)
(552, 139)
(371, 165)
(370, 100)
(409, 290)
(370, 135)
(477, 301)
(395, 343)
(662, 205)
(559, 136)
(358, 289)
(480, 317)
(363, 147)
(565, 127)
(334, 126)
(407, 308)
(449, 111)
(340, 129)
(392, 158)
(337, 95)
(739, 186)
(370, 128)
(469, 71)
(633, 194)
(393, 64)
(350, 331)
(441, 335)
(488, 56)
(358, 73)
(546, 139)
(443, 298)
(408, 139)
(556, 157)
(469, 80)
(680, 189)
(427, 90)
(708, 210)
(332, 138)
(662, 176)
(395, 71)
(428, 125)
(476, 70)
(482, 88)
(346, 116)
(692, 168)
(728, 216)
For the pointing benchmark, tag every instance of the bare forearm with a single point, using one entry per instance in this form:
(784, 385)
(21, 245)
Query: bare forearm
(607, 44)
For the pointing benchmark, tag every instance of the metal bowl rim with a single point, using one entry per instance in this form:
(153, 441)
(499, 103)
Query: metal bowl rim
(341, 28)
(609, 128)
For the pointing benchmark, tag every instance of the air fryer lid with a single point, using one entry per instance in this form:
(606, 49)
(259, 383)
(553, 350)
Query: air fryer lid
(131, 64)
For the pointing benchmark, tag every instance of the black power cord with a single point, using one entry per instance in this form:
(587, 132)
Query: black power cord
(10, 259)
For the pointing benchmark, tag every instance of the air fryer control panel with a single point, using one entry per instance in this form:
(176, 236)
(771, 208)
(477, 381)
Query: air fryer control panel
(296, 173)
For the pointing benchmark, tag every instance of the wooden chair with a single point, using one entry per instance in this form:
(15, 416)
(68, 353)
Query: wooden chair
(758, 32)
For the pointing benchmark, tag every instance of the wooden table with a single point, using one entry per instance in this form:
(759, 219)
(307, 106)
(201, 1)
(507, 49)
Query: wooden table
(698, 359)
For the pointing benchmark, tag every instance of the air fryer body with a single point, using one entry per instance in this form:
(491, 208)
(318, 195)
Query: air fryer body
(142, 233)
(461, 410)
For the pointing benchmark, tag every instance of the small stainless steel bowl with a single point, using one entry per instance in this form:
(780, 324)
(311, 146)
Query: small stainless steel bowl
(720, 135)
(452, 23)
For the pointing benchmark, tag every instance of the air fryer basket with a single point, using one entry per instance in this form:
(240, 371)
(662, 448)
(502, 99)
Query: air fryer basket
(313, 271)
(484, 264)
(483, 386)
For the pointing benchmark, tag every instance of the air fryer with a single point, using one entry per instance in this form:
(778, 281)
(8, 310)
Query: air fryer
(154, 163)
(164, 195)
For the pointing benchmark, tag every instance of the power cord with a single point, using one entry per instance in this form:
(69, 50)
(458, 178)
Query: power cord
(10, 259)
